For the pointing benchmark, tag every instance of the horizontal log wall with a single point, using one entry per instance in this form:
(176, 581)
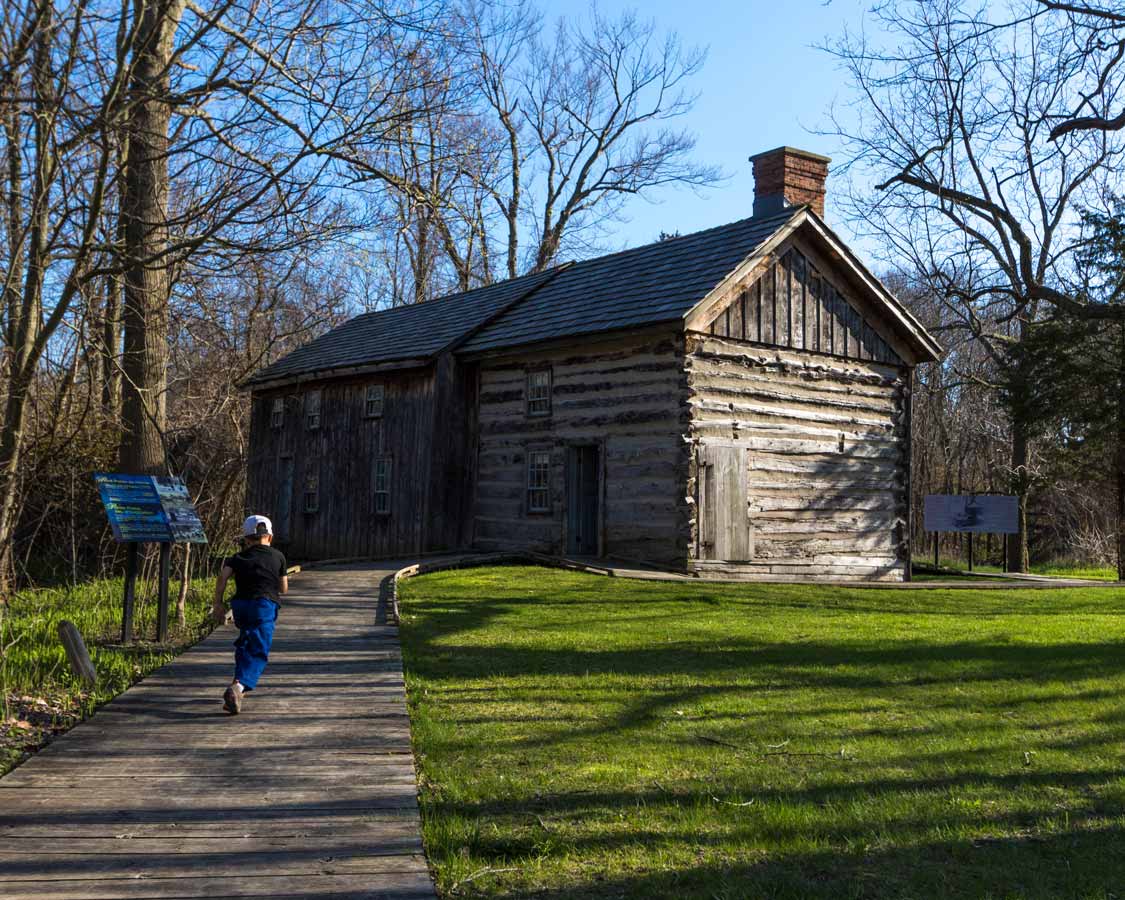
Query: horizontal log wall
(824, 441)
(341, 454)
(627, 396)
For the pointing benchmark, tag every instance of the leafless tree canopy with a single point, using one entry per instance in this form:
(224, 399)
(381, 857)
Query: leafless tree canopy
(973, 158)
(191, 189)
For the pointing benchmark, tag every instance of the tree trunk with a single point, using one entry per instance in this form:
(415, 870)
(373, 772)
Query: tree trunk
(11, 446)
(1121, 457)
(1018, 560)
(144, 214)
(26, 319)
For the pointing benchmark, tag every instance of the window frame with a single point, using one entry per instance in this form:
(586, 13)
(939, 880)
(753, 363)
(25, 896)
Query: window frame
(312, 410)
(311, 490)
(277, 414)
(531, 400)
(386, 463)
(535, 489)
(367, 400)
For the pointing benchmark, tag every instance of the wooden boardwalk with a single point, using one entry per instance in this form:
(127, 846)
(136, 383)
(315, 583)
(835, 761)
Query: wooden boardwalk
(309, 793)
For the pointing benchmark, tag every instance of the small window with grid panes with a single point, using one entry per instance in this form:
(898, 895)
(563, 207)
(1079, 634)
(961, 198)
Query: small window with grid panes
(383, 486)
(539, 481)
(277, 413)
(539, 392)
(373, 406)
(312, 494)
(312, 410)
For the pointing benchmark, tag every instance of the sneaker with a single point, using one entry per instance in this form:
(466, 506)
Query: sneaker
(232, 700)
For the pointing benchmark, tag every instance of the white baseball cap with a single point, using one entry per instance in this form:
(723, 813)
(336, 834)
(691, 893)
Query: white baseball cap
(256, 525)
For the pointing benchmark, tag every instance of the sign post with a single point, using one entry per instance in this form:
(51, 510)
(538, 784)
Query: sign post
(131, 554)
(971, 514)
(162, 597)
(148, 509)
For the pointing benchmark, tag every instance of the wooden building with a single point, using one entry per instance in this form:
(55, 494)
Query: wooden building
(735, 400)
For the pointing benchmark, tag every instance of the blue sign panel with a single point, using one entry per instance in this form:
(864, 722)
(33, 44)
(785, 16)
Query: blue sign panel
(979, 513)
(145, 509)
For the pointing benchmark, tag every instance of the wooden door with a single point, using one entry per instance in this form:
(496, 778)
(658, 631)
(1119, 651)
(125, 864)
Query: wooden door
(284, 499)
(583, 493)
(724, 522)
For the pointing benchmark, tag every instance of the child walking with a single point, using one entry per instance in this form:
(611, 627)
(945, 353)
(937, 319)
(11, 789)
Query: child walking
(259, 582)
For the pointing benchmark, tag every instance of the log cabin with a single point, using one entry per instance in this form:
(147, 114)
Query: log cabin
(735, 401)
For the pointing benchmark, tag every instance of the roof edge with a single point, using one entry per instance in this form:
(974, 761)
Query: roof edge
(926, 348)
(748, 263)
(931, 350)
(396, 365)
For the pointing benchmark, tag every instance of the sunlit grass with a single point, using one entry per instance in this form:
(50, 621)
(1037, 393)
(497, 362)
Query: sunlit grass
(595, 737)
(38, 691)
(1058, 568)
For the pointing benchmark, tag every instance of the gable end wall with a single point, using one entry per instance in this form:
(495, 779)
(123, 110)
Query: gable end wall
(825, 443)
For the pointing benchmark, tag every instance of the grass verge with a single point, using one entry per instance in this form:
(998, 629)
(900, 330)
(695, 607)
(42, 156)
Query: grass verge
(39, 695)
(1056, 568)
(596, 737)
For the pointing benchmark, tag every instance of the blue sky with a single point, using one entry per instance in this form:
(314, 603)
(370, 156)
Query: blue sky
(764, 84)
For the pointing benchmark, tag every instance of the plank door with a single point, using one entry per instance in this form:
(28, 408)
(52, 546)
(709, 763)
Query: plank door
(582, 501)
(724, 532)
(284, 499)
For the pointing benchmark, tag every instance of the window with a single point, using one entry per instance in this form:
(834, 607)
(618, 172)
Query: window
(538, 481)
(312, 410)
(374, 405)
(539, 392)
(382, 486)
(277, 413)
(312, 494)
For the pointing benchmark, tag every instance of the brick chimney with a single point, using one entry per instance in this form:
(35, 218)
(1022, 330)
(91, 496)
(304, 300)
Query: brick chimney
(788, 177)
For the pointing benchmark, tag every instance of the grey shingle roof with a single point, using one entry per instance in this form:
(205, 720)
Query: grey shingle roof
(655, 283)
(405, 332)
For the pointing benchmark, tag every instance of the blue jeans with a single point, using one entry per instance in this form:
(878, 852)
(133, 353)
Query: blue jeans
(255, 620)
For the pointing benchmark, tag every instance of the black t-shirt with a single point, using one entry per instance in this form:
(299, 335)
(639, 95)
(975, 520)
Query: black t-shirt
(258, 571)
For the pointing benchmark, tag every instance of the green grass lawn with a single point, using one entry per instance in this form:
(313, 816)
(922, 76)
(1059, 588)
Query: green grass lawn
(1056, 568)
(581, 736)
(39, 696)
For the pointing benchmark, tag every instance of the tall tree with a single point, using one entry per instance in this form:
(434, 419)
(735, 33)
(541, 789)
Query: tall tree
(1072, 369)
(535, 142)
(953, 128)
(144, 217)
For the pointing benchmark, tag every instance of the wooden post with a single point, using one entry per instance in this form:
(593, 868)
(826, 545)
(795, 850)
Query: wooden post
(970, 551)
(77, 654)
(162, 596)
(130, 592)
(937, 549)
(1006, 553)
(908, 455)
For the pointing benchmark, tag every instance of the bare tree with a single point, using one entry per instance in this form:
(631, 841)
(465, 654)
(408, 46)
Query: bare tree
(533, 145)
(138, 138)
(1098, 36)
(953, 125)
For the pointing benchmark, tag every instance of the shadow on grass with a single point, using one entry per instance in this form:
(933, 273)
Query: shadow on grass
(1088, 864)
(834, 828)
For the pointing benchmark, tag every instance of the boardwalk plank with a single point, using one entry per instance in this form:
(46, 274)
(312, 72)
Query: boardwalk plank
(309, 793)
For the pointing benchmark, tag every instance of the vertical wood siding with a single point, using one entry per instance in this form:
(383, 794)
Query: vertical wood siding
(826, 449)
(793, 305)
(340, 455)
(627, 397)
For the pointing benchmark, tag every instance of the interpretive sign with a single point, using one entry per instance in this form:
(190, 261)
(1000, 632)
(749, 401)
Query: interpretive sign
(149, 509)
(974, 513)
